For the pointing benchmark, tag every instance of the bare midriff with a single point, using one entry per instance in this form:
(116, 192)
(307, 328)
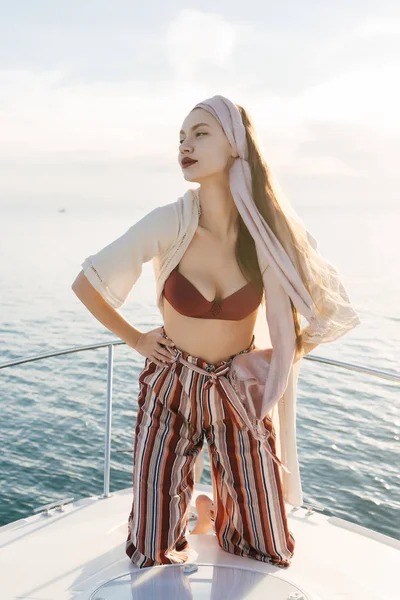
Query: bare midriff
(212, 267)
(213, 340)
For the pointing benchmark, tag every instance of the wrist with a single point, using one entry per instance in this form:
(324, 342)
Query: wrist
(136, 339)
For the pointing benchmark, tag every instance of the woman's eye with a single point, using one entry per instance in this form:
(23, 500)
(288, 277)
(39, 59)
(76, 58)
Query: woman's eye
(198, 133)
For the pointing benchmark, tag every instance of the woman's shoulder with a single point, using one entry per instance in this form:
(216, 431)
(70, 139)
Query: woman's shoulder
(162, 227)
(164, 217)
(173, 214)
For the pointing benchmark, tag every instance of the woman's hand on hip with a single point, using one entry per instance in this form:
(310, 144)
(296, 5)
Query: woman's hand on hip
(154, 345)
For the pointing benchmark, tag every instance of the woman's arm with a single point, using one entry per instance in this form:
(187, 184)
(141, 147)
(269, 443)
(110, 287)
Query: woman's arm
(108, 276)
(114, 269)
(106, 314)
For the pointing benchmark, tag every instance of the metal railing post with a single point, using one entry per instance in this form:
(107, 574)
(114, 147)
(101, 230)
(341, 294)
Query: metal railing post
(107, 438)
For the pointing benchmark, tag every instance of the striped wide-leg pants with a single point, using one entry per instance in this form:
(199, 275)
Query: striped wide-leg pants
(177, 407)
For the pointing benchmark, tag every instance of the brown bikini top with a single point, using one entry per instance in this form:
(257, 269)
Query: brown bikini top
(187, 300)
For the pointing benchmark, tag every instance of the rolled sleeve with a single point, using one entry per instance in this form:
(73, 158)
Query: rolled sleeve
(341, 314)
(114, 269)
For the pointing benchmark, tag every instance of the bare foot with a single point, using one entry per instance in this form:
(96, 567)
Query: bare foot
(205, 512)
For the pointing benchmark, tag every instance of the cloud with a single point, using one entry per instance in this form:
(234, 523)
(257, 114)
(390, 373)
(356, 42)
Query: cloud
(197, 40)
(320, 108)
(378, 26)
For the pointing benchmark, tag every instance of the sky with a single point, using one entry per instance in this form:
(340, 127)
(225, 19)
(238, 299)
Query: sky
(93, 95)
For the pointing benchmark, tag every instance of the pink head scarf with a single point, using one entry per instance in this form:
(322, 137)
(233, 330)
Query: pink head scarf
(281, 280)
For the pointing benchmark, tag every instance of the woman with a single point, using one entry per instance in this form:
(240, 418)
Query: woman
(212, 272)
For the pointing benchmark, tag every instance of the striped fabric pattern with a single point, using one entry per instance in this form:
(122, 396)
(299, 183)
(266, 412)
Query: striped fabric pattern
(177, 408)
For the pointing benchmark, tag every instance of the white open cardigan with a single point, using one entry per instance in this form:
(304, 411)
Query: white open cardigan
(162, 236)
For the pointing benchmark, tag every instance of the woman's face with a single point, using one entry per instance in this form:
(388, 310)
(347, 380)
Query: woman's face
(207, 144)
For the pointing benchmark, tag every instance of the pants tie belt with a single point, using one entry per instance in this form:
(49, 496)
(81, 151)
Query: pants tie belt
(218, 377)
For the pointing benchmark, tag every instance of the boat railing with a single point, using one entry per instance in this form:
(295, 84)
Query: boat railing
(108, 413)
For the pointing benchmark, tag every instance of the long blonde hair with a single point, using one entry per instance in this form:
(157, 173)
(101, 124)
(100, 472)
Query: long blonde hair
(288, 228)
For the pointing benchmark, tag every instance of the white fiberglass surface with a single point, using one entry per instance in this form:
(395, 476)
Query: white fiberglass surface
(197, 582)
